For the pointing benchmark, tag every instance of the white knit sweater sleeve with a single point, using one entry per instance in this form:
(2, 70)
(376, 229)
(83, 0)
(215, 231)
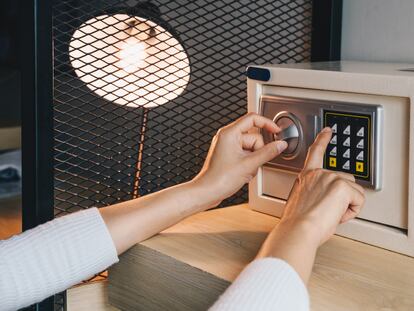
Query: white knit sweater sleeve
(52, 257)
(61, 253)
(265, 284)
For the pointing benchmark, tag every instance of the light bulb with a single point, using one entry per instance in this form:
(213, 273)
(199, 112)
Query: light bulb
(130, 61)
(132, 55)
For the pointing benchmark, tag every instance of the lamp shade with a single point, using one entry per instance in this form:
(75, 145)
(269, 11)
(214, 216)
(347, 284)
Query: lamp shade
(129, 60)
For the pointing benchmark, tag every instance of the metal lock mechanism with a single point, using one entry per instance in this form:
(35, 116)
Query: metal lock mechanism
(356, 140)
(291, 132)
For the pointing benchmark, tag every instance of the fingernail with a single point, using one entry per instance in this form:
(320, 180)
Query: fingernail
(281, 145)
(326, 130)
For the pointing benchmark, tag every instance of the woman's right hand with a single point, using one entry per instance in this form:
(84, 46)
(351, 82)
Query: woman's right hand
(320, 198)
(318, 202)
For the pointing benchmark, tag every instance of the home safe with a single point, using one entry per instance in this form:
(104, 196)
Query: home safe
(369, 108)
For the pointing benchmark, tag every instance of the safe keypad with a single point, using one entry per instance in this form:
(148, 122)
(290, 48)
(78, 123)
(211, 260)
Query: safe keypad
(349, 148)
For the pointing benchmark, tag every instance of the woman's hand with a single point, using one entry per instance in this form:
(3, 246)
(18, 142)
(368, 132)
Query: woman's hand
(320, 198)
(235, 155)
(319, 201)
(232, 161)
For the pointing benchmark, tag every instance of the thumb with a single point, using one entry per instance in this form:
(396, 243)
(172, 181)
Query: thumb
(267, 153)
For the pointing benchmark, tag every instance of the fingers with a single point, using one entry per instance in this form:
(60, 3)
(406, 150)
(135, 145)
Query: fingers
(347, 177)
(357, 198)
(316, 152)
(344, 175)
(250, 120)
(252, 141)
(356, 202)
(267, 153)
(357, 187)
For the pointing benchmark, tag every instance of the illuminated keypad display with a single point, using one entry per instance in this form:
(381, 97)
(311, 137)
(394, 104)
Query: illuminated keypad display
(349, 148)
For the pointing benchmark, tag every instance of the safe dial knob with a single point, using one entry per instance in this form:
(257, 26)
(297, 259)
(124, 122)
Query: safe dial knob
(291, 132)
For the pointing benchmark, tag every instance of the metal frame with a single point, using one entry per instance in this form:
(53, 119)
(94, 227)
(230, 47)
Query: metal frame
(37, 100)
(326, 30)
(37, 117)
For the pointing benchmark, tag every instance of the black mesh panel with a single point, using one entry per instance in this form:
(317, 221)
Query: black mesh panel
(97, 141)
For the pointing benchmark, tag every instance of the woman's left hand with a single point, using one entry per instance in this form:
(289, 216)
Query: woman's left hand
(235, 155)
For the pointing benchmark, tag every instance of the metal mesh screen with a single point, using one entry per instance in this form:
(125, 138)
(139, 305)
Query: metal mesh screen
(101, 117)
(97, 141)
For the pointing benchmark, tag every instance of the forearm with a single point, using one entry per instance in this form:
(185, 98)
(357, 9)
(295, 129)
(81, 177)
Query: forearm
(87, 243)
(295, 245)
(52, 257)
(265, 284)
(133, 221)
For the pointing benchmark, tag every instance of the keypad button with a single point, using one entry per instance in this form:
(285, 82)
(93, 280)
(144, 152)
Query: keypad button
(334, 140)
(361, 132)
(347, 154)
(347, 130)
(359, 167)
(346, 165)
(333, 152)
(334, 128)
(332, 162)
(360, 145)
(360, 156)
(347, 142)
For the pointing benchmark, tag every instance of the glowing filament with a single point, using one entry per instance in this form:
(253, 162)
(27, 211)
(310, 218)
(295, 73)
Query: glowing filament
(132, 55)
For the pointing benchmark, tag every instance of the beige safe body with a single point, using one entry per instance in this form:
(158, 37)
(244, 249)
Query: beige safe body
(387, 220)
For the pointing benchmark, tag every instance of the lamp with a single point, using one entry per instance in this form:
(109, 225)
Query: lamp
(131, 58)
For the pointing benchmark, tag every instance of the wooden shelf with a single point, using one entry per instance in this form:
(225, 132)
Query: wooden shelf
(90, 296)
(10, 217)
(10, 138)
(189, 265)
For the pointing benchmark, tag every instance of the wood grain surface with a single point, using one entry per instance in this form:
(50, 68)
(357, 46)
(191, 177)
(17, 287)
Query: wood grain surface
(89, 297)
(159, 282)
(213, 247)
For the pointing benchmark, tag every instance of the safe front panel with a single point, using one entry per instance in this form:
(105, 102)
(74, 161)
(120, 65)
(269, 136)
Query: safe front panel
(386, 204)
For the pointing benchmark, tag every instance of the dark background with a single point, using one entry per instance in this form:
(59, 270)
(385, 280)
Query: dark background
(9, 69)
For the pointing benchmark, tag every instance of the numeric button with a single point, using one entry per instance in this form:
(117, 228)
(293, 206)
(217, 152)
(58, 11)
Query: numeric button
(347, 142)
(361, 132)
(346, 165)
(347, 154)
(347, 130)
